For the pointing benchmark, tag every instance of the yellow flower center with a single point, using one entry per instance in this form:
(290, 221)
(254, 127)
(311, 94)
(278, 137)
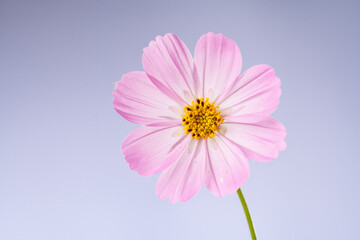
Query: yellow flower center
(202, 119)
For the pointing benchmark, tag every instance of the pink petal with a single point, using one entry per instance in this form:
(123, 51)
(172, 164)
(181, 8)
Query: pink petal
(149, 150)
(259, 141)
(139, 101)
(218, 62)
(227, 166)
(169, 65)
(254, 97)
(184, 177)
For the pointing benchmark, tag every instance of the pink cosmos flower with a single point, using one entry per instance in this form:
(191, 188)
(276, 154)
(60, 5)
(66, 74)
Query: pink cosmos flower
(202, 119)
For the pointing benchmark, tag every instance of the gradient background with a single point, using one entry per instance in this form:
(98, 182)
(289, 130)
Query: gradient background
(62, 175)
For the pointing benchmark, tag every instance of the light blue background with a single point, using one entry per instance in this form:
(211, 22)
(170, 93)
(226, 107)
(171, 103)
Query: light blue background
(62, 175)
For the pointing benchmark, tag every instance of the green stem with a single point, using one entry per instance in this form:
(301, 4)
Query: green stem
(247, 213)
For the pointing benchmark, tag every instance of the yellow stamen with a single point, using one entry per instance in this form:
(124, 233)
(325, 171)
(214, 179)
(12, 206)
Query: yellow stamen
(202, 119)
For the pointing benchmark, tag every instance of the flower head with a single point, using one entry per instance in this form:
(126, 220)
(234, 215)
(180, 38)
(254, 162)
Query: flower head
(202, 119)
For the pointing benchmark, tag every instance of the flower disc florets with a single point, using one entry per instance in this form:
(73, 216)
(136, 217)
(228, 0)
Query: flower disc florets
(201, 119)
